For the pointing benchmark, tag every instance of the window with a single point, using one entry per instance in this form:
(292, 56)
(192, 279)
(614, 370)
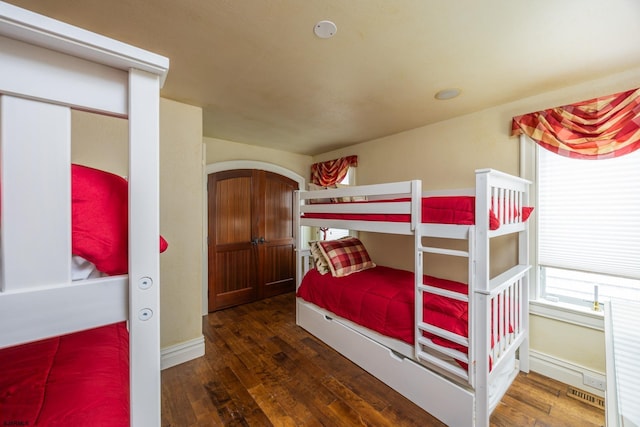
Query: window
(588, 238)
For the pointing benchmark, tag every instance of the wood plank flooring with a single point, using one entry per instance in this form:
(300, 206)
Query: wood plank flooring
(260, 369)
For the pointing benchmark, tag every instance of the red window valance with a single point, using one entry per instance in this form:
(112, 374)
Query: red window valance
(595, 129)
(332, 171)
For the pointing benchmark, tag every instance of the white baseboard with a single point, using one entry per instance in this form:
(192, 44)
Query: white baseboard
(180, 353)
(564, 371)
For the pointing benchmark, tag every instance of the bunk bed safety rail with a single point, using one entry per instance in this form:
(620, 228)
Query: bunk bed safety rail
(372, 192)
(411, 190)
(505, 196)
(506, 313)
(376, 196)
(356, 208)
(506, 204)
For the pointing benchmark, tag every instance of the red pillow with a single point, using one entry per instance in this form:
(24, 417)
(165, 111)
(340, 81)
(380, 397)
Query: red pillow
(460, 210)
(99, 219)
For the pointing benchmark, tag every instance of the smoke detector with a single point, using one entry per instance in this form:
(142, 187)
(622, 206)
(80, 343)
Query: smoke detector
(445, 94)
(325, 29)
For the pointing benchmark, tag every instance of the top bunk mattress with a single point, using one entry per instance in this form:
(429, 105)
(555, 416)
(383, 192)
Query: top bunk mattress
(457, 210)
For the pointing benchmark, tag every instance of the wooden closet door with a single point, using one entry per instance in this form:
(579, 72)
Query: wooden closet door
(232, 255)
(277, 267)
(251, 236)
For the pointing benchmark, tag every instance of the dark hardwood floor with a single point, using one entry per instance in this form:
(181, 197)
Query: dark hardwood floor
(260, 369)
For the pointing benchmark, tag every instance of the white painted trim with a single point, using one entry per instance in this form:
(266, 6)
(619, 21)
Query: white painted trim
(253, 164)
(30, 209)
(204, 303)
(181, 353)
(568, 313)
(41, 74)
(40, 30)
(557, 311)
(564, 371)
(226, 166)
(612, 406)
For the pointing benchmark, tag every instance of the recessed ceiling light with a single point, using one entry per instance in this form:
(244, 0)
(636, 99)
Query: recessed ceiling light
(445, 94)
(325, 29)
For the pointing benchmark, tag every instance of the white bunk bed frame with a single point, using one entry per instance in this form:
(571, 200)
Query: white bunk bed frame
(48, 68)
(456, 396)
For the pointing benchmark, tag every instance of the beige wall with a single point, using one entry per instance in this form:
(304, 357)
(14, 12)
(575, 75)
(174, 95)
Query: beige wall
(554, 337)
(181, 189)
(444, 155)
(101, 142)
(219, 150)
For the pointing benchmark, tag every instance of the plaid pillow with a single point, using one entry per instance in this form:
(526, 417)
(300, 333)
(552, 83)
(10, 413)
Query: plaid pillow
(345, 256)
(319, 260)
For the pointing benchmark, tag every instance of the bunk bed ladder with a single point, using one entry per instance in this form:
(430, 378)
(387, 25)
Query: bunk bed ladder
(425, 346)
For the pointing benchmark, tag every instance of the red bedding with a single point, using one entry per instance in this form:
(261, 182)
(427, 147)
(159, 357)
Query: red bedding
(99, 219)
(382, 299)
(437, 210)
(81, 379)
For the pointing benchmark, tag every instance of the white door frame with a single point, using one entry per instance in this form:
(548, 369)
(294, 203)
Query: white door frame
(226, 166)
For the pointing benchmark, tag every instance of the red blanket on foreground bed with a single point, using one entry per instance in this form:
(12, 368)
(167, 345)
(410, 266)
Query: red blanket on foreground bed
(81, 379)
(435, 210)
(381, 299)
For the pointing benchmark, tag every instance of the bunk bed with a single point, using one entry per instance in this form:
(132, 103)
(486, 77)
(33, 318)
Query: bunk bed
(76, 347)
(454, 355)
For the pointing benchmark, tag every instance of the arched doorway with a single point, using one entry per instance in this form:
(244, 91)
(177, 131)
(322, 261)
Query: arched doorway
(251, 235)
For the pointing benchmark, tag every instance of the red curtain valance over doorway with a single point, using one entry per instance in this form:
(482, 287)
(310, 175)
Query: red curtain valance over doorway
(599, 128)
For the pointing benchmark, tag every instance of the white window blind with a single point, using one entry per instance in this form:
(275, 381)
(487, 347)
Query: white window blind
(589, 214)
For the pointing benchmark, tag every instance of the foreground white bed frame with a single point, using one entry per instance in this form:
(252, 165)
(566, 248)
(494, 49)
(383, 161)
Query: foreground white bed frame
(424, 373)
(48, 68)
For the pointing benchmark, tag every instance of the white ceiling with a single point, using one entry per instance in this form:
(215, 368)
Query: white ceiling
(262, 77)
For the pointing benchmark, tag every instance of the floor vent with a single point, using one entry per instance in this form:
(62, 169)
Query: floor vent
(588, 398)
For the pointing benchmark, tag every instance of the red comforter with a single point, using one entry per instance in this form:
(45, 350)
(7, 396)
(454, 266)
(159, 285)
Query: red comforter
(435, 210)
(382, 299)
(80, 379)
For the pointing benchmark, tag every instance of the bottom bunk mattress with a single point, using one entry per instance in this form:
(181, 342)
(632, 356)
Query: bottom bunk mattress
(80, 379)
(382, 299)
